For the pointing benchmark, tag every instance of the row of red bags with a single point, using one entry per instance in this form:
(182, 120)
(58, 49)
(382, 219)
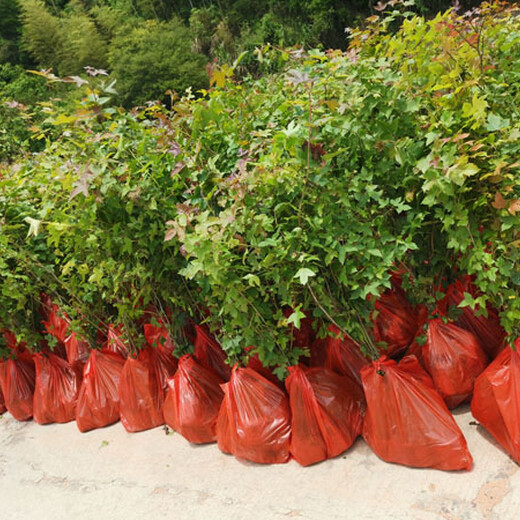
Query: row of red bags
(398, 407)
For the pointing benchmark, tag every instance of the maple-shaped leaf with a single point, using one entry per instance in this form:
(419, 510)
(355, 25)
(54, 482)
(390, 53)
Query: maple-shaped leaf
(34, 226)
(218, 78)
(91, 71)
(514, 207)
(296, 77)
(177, 168)
(174, 230)
(82, 184)
(75, 79)
(499, 202)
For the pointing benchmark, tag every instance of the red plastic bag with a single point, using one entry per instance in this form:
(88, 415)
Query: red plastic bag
(209, 353)
(10, 341)
(318, 353)
(454, 359)
(77, 350)
(115, 343)
(343, 355)
(158, 336)
(396, 322)
(56, 390)
(57, 323)
(193, 401)
(142, 388)
(326, 413)
(17, 379)
(3, 408)
(407, 421)
(255, 364)
(3, 367)
(98, 399)
(496, 400)
(488, 330)
(254, 422)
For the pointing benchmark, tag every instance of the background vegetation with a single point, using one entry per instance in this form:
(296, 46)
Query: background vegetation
(151, 46)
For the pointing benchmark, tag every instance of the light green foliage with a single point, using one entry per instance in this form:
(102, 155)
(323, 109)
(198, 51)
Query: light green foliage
(82, 221)
(462, 72)
(155, 57)
(302, 188)
(294, 177)
(19, 93)
(83, 44)
(66, 43)
(42, 35)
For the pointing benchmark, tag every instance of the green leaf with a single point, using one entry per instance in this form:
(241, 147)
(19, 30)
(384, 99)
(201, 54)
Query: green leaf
(476, 110)
(304, 274)
(34, 226)
(495, 122)
(252, 279)
(461, 170)
(295, 318)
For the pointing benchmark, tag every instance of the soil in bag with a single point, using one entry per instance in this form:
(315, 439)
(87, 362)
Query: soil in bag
(407, 421)
(17, 380)
(193, 401)
(142, 389)
(454, 359)
(326, 413)
(56, 389)
(254, 421)
(496, 400)
(98, 399)
(209, 353)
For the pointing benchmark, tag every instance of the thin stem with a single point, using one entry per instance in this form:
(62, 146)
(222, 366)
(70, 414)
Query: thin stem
(330, 318)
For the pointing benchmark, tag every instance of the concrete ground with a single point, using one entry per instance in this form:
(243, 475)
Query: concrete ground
(54, 472)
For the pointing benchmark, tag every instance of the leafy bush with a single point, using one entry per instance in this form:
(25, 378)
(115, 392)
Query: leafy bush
(96, 230)
(299, 190)
(19, 94)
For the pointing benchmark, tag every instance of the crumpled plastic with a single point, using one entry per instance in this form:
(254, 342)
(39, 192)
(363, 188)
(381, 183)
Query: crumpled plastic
(254, 421)
(56, 389)
(454, 359)
(3, 408)
(159, 336)
(98, 399)
(142, 389)
(254, 363)
(326, 413)
(209, 353)
(57, 323)
(342, 355)
(77, 350)
(17, 380)
(396, 322)
(407, 422)
(496, 400)
(115, 342)
(487, 330)
(193, 401)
